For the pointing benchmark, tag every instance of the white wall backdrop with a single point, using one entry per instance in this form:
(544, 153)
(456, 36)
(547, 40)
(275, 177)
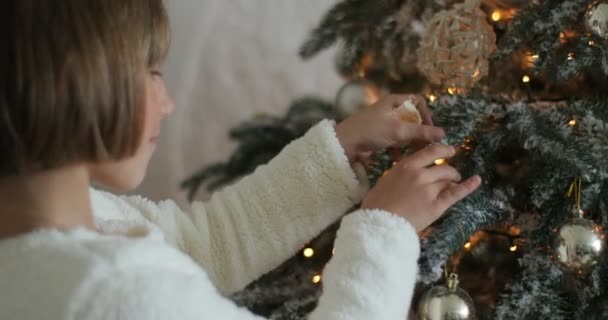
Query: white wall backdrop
(229, 60)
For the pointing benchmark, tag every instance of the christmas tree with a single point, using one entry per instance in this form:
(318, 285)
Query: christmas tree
(522, 87)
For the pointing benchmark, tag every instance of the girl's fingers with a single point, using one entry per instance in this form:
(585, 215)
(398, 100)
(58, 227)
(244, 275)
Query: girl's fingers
(423, 108)
(457, 192)
(427, 156)
(420, 133)
(442, 173)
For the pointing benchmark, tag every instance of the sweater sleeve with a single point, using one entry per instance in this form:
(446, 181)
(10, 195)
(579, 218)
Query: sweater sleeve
(250, 228)
(373, 273)
(371, 276)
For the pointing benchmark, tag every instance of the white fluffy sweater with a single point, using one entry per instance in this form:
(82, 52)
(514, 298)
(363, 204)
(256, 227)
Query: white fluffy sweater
(154, 261)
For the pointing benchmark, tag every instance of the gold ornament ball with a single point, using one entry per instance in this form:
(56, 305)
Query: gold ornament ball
(356, 95)
(455, 50)
(446, 302)
(578, 245)
(596, 19)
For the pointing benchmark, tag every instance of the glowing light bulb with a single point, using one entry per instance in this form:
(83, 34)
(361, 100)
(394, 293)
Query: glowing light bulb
(432, 97)
(572, 122)
(513, 248)
(309, 252)
(570, 56)
(529, 60)
(316, 278)
(467, 245)
(525, 79)
(567, 35)
(496, 15)
(440, 161)
(452, 90)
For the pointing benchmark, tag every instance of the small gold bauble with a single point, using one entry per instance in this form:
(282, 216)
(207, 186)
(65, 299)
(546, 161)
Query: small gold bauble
(355, 95)
(446, 302)
(456, 47)
(596, 19)
(578, 245)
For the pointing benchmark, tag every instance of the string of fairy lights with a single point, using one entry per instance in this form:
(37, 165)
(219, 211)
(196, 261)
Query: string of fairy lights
(515, 240)
(309, 253)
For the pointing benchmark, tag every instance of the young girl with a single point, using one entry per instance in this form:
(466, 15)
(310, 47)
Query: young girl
(81, 102)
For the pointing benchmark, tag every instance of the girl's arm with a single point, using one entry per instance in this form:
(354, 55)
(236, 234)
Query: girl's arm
(371, 276)
(250, 228)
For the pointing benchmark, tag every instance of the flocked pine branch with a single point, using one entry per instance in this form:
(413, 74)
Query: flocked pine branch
(544, 30)
(389, 30)
(559, 153)
(350, 21)
(540, 25)
(535, 294)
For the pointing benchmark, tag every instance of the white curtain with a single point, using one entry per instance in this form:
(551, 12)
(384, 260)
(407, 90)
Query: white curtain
(230, 60)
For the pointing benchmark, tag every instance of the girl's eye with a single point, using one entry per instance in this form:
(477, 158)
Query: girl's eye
(156, 73)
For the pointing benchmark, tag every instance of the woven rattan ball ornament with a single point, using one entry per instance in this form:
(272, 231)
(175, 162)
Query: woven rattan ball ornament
(456, 47)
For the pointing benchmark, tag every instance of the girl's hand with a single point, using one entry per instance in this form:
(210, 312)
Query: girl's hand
(379, 126)
(418, 191)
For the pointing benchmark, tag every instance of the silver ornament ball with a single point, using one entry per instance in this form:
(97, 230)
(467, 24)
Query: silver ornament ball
(596, 18)
(446, 302)
(578, 245)
(356, 95)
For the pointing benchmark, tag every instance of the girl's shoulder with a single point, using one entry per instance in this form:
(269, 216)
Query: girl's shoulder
(109, 206)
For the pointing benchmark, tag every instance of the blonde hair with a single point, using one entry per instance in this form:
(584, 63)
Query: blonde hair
(71, 79)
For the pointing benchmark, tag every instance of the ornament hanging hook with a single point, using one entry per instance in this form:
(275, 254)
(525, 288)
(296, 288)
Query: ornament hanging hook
(451, 262)
(451, 278)
(576, 187)
(579, 194)
(453, 282)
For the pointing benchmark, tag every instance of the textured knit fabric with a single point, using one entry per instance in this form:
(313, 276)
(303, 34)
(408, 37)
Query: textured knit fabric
(154, 261)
